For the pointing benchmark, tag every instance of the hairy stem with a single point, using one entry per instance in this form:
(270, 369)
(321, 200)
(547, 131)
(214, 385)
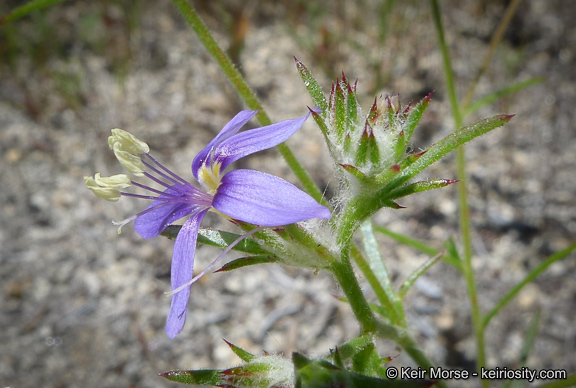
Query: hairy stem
(344, 274)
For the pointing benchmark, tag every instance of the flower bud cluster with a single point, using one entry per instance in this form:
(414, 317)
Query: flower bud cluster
(370, 147)
(373, 150)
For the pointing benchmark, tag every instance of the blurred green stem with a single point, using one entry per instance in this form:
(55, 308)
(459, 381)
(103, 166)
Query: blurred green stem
(467, 269)
(245, 92)
(478, 320)
(25, 9)
(496, 38)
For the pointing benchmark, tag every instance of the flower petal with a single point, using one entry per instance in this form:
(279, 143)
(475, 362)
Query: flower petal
(159, 214)
(230, 129)
(254, 140)
(264, 199)
(182, 272)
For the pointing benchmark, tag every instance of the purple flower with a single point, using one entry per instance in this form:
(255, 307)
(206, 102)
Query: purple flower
(249, 196)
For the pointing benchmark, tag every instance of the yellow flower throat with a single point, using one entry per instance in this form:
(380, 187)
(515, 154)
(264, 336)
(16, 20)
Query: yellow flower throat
(210, 177)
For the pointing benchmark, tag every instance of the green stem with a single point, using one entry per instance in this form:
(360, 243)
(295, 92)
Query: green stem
(378, 269)
(381, 294)
(344, 274)
(467, 269)
(405, 340)
(245, 92)
(23, 10)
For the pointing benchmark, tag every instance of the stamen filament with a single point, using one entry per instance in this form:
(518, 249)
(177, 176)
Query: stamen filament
(161, 182)
(142, 196)
(224, 253)
(152, 208)
(190, 192)
(175, 176)
(164, 176)
(155, 191)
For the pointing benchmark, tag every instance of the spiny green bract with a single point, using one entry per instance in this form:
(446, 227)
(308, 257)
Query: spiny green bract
(367, 146)
(372, 150)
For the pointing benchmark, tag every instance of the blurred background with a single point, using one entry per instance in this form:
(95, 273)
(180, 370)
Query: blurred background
(80, 304)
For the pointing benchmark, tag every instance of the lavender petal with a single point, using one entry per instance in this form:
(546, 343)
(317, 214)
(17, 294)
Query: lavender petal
(264, 199)
(254, 140)
(230, 129)
(182, 272)
(159, 214)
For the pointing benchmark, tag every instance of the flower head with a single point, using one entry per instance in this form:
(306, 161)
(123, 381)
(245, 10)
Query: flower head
(245, 195)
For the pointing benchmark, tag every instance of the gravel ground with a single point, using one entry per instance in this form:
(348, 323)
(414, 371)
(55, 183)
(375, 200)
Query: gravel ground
(82, 306)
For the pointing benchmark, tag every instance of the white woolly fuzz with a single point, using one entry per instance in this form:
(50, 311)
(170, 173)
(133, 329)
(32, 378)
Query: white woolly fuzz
(279, 372)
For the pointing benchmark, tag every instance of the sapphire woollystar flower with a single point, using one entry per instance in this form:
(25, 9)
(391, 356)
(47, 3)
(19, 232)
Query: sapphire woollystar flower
(245, 195)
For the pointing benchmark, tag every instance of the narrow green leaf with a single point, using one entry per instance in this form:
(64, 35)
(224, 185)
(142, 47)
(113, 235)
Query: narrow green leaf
(243, 354)
(373, 149)
(403, 239)
(321, 122)
(354, 171)
(313, 87)
(245, 375)
(171, 231)
(531, 276)
(419, 187)
(453, 256)
(531, 335)
(390, 173)
(375, 260)
(337, 358)
(501, 93)
(386, 176)
(373, 114)
(367, 362)
(347, 144)
(246, 262)
(23, 10)
(198, 377)
(415, 116)
(340, 112)
(223, 239)
(378, 309)
(407, 284)
(351, 102)
(447, 144)
(354, 346)
(529, 340)
(322, 374)
(363, 148)
(385, 308)
(400, 151)
(422, 247)
(391, 110)
(219, 239)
